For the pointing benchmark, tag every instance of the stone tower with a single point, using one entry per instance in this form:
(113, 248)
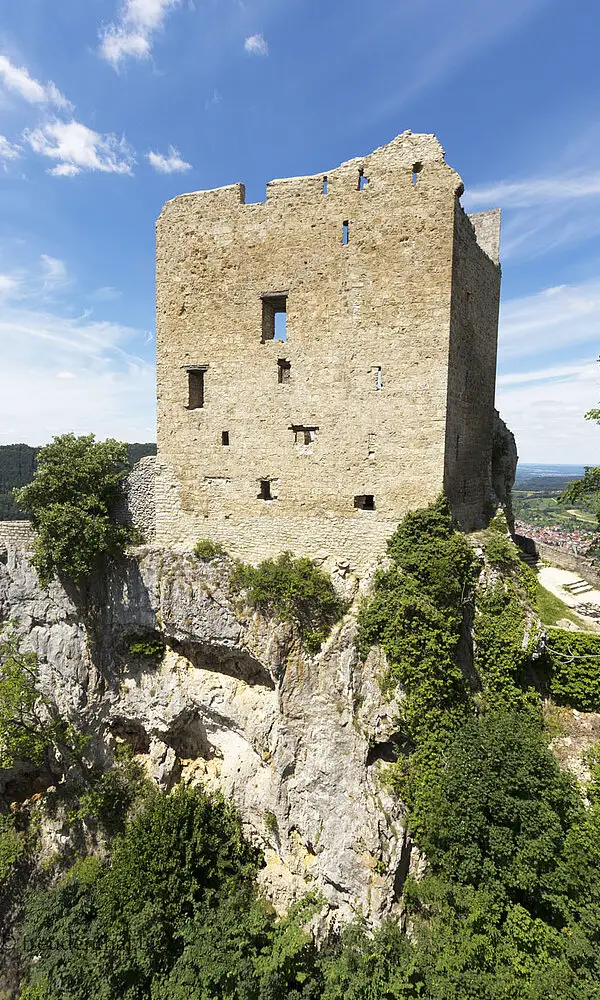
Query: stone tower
(326, 358)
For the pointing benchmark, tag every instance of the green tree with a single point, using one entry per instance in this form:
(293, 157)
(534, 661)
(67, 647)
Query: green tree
(77, 484)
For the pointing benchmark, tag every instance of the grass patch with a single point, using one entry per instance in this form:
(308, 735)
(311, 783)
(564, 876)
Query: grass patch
(550, 608)
(207, 550)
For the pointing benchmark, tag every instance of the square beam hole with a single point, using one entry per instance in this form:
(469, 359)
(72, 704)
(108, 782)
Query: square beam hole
(265, 490)
(225, 437)
(274, 317)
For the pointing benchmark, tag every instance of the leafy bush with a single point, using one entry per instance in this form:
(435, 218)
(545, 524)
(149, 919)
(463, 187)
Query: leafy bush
(174, 916)
(416, 616)
(111, 795)
(208, 550)
(572, 661)
(77, 484)
(147, 648)
(293, 590)
(501, 552)
(12, 846)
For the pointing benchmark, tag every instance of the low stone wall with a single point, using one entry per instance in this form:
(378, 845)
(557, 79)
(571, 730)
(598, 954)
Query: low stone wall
(585, 568)
(16, 534)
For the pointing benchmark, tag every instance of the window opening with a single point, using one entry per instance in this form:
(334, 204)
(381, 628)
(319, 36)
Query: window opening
(304, 435)
(195, 374)
(325, 185)
(377, 373)
(365, 501)
(416, 170)
(371, 445)
(265, 490)
(274, 317)
(284, 369)
(345, 233)
(225, 437)
(362, 180)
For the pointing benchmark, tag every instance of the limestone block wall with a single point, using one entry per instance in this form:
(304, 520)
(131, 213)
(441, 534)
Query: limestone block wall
(354, 403)
(472, 370)
(139, 507)
(15, 534)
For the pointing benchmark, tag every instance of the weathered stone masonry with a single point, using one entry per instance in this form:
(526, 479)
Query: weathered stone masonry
(381, 395)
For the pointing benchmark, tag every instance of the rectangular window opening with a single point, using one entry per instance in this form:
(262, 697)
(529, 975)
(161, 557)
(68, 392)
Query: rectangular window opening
(371, 445)
(274, 317)
(364, 501)
(362, 180)
(265, 490)
(284, 369)
(345, 233)
(325, 185)
(416, 170)
(225, 437)
(377, 373)
(195, 388)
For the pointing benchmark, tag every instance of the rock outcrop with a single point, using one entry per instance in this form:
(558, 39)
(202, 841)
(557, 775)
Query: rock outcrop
(235, 705)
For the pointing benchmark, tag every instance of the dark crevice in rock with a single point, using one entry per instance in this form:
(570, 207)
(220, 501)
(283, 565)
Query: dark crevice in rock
(402, 869)
(389, 750)
(131, 732)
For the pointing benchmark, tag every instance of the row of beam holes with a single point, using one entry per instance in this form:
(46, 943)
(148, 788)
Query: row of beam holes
(284, 371)
(363, 501)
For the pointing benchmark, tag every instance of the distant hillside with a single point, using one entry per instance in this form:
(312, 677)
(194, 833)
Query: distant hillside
(17, 466)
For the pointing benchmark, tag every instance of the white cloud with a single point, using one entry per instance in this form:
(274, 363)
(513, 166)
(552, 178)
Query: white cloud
(55, 271)
(256, 46)
(107, 293)
(545, 412)
(10, 287)
(77, 147)
(170, 164)
(553, 319)
(62, 374)
(17, 79)
(543, 401)
(131, 34)
(535, 191)
(8, 150)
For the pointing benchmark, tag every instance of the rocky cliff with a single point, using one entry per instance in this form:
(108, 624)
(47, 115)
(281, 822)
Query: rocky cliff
(234, 704)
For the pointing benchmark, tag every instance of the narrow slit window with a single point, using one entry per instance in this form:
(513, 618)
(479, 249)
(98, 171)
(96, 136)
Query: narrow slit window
(416, 170)
(371, 445)
(195, 378)
(284, 369)
(225, 438)
(362, 180)
(274, 317)
(377, 373)
(364, 501)
(265, 490)
(345, 233)
(325, 185)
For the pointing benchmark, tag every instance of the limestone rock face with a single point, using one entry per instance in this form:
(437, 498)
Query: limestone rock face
(234, 705)
(504, 466)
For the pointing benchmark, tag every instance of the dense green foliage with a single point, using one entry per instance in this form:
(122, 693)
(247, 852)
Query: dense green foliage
(416, 615)
(77, 485)
(174, 915)
(12, 846)
(17, 469)
(147, 647)
(572, 661)
(293, 590)
(29, 727)
(208, 550)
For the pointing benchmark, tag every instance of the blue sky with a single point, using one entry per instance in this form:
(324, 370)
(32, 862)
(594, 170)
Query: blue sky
(110, 107)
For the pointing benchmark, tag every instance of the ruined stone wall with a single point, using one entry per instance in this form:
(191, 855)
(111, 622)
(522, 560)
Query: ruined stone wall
(16, 534)
(472, 368)
(368, 343)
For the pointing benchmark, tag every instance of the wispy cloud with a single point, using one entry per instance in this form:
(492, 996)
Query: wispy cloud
(107, 293)
(76, 148)
(8, 150)
(554, 319)
(18, 80)
(535, 191)
(76, 374)
(172, 163)
(55, 271)
(130, 36)
(544, 408)
(10, 287)
(256, 45)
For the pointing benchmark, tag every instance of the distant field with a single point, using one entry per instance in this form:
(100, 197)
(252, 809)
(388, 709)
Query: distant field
(535, 499)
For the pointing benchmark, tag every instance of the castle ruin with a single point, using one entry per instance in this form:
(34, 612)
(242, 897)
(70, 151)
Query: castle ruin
(326, 358)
